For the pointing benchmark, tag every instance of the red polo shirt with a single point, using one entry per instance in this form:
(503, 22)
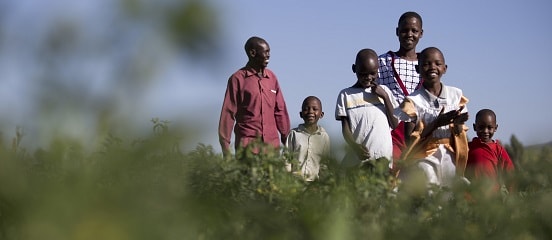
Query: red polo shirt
(254, 107)
(488, 160)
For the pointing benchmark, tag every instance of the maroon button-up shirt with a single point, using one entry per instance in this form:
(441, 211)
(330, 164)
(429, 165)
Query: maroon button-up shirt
(255, 103)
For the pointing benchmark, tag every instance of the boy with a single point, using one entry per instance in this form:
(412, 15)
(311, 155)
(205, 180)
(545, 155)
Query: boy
(309, 142)
(434, 117)
(487, 159)
(254, 103)
(397, 69)
(366, 113)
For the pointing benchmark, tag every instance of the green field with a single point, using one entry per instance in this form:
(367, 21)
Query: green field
(149, 189)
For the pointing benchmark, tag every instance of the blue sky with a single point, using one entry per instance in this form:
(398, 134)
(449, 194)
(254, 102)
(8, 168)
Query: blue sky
(498, 53)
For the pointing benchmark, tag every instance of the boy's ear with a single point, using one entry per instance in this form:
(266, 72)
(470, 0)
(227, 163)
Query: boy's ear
(322, 115)
(446, 66)
(397, 31)
(251, 53)
(475, 130)
(354, 68)
(417, 67)
(301, 114)
(496, 127)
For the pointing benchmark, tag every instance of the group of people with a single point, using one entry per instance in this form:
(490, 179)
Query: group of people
(398, 111)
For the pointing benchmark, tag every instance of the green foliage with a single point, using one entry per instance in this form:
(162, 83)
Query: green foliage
(149, 189)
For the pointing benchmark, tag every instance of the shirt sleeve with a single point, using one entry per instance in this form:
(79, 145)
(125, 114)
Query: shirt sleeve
(326, 145)
(340, 107)
(281, 114)
(228, 113)
(506, 163)
(392, 97)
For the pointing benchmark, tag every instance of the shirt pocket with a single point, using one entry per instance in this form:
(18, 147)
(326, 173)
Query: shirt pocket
(269, 93)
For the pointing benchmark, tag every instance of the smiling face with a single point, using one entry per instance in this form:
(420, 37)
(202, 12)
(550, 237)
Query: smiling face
(431, 65)
(485, 125)
(311, 111)
(259, 55)
(409, 33)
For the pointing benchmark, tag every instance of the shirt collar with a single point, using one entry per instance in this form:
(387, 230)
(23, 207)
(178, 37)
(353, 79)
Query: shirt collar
(477, 139)
(437, 101)
(249, 71)
(302, 128)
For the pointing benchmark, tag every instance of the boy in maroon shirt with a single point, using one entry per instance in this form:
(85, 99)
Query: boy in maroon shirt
(253, 106)
(487, 159)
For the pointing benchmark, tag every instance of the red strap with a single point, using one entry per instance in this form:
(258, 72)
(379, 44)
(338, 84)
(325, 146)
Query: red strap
(397, 77)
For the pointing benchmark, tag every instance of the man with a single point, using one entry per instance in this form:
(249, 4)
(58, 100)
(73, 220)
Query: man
(253, 103)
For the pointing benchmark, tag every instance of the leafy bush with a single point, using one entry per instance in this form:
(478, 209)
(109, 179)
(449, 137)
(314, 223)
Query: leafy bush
(149, 189)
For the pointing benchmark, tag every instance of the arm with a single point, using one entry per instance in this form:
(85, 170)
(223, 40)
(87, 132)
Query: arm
(360, 150)
(507, 169)
(228, 116)
(289, 151)
(408, 129)
(455, 117)
(281, 114)
(391, 119)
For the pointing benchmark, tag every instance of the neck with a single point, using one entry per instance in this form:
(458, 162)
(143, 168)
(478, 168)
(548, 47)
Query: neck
(433, 88)
(409, 54)
(311, 128)
(257, 68)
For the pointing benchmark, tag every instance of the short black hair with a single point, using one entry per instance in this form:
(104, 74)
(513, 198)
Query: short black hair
(309, 98)
(485, 112)
(422, 55)
(364, 54)
(252, 42)
(408, 15)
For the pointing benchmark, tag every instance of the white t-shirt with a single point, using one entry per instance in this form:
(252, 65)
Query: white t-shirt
(368, 121)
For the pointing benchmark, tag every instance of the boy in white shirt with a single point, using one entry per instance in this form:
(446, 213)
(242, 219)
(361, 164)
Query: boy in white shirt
(366, 113)
(309, 142)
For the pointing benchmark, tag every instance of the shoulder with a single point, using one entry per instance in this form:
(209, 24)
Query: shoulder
(384, 58)
(269, 73)
(498, 144)
(456, 94)
(385, 55)
(322, 130)
(239, 74)
(416, 95)
(323, 133)
(293, 133)
(351, 90)
(474, 142)
(453, 92)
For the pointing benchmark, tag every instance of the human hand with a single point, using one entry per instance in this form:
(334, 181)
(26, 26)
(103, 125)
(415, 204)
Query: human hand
(378, 90)
(461, 118)
(362, 152)
(454, 116)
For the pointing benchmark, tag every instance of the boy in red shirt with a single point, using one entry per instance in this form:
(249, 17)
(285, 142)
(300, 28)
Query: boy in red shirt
(487, 159)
